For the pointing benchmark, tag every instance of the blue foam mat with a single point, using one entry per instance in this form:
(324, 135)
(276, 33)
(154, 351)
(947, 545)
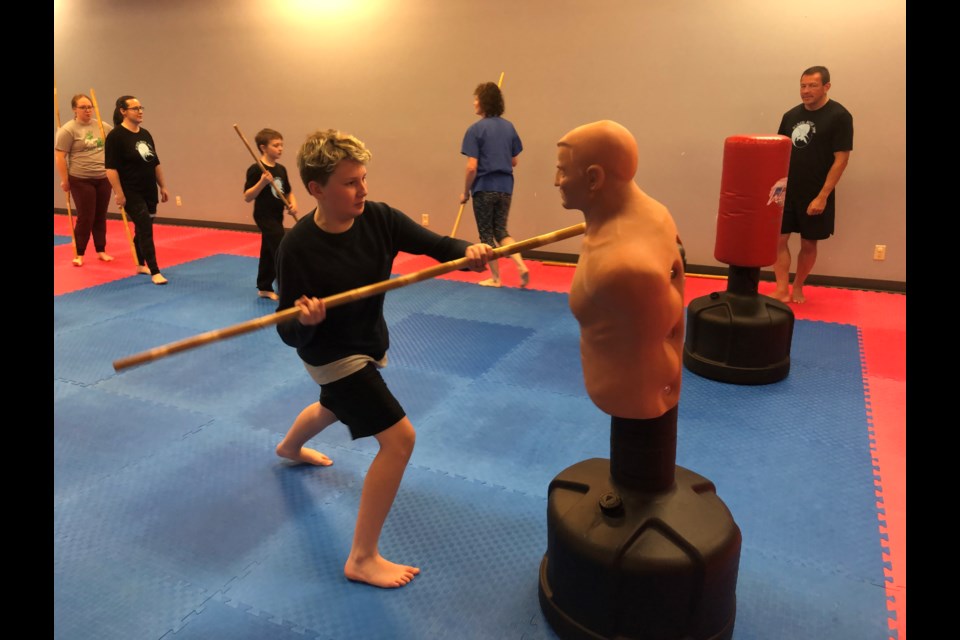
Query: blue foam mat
(174, 519)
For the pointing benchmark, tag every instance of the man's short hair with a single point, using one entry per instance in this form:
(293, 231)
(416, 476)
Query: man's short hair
(823, 71)
(490, 98)
(322, 151)
(266, 136)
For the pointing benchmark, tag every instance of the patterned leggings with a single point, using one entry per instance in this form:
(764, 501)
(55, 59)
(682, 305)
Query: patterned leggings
(491, 209)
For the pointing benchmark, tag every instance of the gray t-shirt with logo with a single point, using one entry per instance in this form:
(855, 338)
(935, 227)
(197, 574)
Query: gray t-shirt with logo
(83, 145)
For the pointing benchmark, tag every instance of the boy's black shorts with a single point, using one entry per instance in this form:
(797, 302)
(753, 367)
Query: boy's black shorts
(363, 402)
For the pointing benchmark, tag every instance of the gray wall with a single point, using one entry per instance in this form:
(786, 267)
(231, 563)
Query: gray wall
(682, 75)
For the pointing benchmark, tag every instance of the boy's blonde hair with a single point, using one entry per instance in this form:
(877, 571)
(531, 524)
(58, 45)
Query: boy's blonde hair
(322, 151)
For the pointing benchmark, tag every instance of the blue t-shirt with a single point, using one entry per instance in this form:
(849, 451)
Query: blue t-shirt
(494, 143)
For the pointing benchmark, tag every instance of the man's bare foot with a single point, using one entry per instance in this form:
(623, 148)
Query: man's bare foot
(304, 455)
(798, 296)
(781, 295)
(379, 572)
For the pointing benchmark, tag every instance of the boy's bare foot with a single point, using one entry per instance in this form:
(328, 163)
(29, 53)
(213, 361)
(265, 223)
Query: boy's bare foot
(106, 257)
(798, 296)
(489, 282)
(379, 572)
(304, 455)
(781, 295)
(78, 261)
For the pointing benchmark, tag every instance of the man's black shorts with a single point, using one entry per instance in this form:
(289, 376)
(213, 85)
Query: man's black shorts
(796, 220)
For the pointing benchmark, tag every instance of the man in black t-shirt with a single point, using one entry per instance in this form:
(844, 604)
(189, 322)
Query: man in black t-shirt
(821, 131)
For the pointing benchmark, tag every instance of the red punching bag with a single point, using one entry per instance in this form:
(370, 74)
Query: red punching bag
(752, 188)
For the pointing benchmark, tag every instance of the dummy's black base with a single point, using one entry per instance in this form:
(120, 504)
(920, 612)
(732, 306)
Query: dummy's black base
(738, 336)
(627, 564)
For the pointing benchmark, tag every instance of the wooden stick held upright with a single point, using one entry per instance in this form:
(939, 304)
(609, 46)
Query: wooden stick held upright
(264, 169)
(339, 299)
(56, 105)
(73, 234)
(123, 214)
(456, 223)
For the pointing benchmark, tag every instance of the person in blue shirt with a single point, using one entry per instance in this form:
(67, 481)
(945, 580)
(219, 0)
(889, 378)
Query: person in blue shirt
(492, 146)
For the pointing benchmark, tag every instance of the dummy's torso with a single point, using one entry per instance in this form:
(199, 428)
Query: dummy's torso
(627, 295)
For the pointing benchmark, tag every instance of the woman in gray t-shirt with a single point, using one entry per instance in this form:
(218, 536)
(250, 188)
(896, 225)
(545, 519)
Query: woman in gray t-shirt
(78, 152)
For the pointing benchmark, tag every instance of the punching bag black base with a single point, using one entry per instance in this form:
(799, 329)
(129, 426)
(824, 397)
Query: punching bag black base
(627, 564)
(738, 336)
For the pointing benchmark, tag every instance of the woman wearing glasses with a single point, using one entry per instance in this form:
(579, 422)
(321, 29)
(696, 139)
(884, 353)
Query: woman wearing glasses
(78, 153)
(133, 169)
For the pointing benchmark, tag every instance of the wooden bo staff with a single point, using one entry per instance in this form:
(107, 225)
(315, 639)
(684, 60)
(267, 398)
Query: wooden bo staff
(123, 214)
(264, 169)
(456, 223)
(56, 105)
(73, 235)
(339, 299)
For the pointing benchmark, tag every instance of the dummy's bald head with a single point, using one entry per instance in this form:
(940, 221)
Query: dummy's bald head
(604, 143)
